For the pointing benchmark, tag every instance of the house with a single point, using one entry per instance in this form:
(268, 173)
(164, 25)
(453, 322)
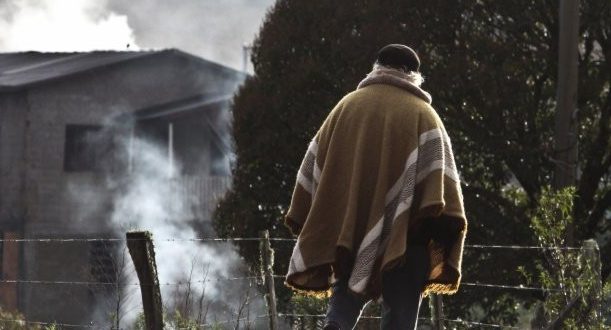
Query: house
(70, 120)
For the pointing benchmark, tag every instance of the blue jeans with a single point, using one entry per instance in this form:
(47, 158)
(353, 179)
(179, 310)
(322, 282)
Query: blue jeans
(401, 291)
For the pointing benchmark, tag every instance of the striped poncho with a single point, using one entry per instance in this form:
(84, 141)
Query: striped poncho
(380, 166)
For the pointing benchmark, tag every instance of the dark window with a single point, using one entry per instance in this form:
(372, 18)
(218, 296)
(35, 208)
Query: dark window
(87, 148)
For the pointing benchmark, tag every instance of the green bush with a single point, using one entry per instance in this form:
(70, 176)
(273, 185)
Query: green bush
(565, 274)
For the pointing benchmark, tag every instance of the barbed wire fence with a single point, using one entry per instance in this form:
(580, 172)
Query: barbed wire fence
(265, 280)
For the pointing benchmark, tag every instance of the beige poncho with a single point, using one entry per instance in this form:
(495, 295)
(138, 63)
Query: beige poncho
(379, 166)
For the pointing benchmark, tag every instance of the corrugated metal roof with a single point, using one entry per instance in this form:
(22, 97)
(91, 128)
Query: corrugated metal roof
(18, 70)
(22, 69)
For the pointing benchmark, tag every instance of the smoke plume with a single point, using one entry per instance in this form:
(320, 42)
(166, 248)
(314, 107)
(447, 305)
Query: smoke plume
(62, 25)
(147, 199)
(213, 29)
(197, 279)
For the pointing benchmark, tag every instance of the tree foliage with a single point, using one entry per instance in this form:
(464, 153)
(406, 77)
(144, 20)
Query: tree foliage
(491, 67)
(567, 274)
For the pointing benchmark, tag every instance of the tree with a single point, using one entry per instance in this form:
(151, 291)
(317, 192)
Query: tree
(491, 67)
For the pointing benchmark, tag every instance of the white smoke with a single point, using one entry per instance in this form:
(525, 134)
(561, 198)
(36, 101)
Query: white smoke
(140, 188)
(148, 199)
(213, 29)
(152, 201)
(62, 25)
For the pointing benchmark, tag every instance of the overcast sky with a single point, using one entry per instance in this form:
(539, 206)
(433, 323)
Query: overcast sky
(213, 29)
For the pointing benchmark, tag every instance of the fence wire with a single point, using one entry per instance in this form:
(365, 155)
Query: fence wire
(272, 239)
(468, 323)
(498, 286)
(250, 320)
(479, 324)
(258, 277)
(127, 284)
(65, 325)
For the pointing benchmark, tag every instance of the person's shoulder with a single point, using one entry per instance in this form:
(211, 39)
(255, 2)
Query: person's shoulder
(388, 97)
(426, 109)
(378, 94)
(350, 100)
(353, 95)
(429, 118)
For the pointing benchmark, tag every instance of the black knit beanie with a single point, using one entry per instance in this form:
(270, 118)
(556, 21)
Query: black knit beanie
(399, 56)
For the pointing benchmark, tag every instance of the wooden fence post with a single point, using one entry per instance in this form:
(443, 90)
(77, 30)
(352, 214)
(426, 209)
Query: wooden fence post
(142, 252)
(267, 263)
(436, 305)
